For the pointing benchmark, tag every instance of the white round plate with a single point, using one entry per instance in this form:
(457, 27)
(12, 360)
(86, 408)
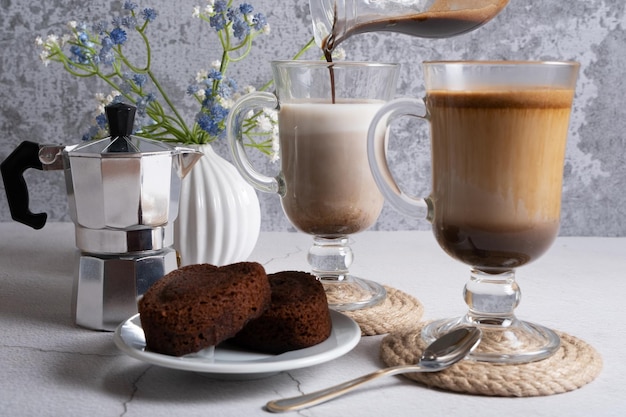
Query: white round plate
(232, 362)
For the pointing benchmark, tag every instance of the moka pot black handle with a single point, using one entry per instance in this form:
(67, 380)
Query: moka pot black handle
(25, 156)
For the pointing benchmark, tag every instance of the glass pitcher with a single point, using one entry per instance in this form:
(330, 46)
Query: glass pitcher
(336, 20)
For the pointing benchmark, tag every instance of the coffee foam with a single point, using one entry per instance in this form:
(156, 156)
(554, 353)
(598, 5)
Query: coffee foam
(323, 117)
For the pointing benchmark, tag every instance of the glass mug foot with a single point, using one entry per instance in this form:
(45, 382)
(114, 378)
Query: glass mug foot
(504, 341)
(352, 293)
(491, 299)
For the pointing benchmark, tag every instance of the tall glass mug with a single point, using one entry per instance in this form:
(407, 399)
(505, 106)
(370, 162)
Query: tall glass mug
(498, 135)
(325, 183)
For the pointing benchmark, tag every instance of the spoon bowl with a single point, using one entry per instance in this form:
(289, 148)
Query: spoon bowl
(439, 355)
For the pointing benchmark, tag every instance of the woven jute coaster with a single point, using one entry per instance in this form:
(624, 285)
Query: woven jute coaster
(575, 364)
(398, 312)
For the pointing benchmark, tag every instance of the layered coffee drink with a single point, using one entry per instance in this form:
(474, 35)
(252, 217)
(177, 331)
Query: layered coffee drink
(497, 172)
(329, 188)
(325, 184)
(498, 137)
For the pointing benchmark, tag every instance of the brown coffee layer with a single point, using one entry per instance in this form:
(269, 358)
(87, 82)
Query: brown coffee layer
(494, 249)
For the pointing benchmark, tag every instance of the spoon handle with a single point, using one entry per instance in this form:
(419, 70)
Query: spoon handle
(326, 394)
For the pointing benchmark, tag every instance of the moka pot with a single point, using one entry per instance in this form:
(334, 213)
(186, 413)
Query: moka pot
(123, 193)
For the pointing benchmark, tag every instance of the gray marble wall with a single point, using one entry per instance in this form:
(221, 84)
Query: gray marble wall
(45, 104)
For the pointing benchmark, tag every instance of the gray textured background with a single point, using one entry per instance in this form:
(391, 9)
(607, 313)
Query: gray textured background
(47, 105)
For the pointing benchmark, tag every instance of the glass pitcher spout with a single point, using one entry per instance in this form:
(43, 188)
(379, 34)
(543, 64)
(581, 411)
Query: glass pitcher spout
(334, 21)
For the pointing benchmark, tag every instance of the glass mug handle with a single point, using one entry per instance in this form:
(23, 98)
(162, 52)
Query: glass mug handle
(234, 123)
(377, 156)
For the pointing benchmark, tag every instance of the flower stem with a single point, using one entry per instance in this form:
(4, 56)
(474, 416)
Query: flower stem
(180, 121)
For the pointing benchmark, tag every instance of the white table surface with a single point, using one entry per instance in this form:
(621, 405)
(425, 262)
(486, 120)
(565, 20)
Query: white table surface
(51, 367)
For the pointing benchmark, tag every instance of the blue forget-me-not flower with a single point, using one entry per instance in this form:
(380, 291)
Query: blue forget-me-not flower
(101, 52)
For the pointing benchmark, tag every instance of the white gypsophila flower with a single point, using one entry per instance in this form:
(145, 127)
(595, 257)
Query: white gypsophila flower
(109, 99)
(275, 155)
(104, 101)
(321, 28)
(201, 75)
(72, 24)
(209, 9)
(196, 11)
(237, 95)
(216, 64)
(224, 102)
(39, 41)
(271, 114)
(264, 123)
(249, 89)
(266, 29)
(52, 40)
(339, 54)
(200, 93)
(43, 55)
(250, 114)
(101, 101)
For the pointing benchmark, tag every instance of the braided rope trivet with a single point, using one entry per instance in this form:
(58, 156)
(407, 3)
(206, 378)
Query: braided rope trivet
(575, 364)
(398, 312)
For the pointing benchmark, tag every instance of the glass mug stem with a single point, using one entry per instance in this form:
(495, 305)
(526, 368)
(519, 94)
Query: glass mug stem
(330, 258)
(491, 298)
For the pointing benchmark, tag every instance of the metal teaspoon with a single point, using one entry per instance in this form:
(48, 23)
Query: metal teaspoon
(439, 355)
